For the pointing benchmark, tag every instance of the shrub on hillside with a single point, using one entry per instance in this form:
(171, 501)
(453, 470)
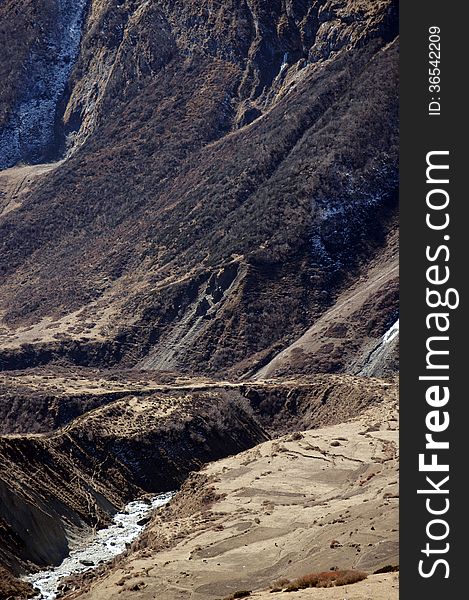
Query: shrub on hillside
(326, 579)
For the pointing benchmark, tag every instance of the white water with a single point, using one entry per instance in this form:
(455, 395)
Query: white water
(107, 544)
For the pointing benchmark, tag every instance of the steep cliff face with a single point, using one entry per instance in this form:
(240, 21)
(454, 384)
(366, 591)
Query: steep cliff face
(21, 27)
(76, 57)
(28, 133)
(124, 45)
(232, 170)
(84, 472)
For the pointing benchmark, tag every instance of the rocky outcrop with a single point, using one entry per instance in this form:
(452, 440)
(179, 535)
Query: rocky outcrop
(28, 133)
(11, 587)
(83, 59)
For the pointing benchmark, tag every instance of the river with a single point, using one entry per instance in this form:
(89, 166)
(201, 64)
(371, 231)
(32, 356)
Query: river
(105, 545)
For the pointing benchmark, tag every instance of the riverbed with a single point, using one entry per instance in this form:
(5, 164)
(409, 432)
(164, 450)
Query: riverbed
(105, 545)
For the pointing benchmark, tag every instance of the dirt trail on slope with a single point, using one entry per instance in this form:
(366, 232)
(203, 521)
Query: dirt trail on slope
(16, 182)
(338, 327)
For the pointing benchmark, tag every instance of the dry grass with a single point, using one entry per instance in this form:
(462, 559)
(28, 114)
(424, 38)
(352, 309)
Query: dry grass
(326, 579)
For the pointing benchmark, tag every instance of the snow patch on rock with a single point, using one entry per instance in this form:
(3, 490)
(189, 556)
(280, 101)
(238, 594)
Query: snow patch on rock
(391, 333)
(29, 133)
(380, 355)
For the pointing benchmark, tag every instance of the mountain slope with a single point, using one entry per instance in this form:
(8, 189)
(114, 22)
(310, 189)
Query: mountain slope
(233, 169)
(198, 246)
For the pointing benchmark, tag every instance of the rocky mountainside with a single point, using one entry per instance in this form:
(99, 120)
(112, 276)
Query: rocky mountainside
(198, 256)
(231, 171)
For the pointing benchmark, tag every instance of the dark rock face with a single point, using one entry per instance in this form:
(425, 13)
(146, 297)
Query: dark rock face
(230, 173)
(29, 531)
(29, 132)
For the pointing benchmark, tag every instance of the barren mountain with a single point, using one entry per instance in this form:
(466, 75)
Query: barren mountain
(198, 258)
(231, 171)
(145, 438)
(57, 486)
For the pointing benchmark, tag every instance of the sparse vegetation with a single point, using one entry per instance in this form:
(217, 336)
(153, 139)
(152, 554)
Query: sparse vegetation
(326, 579)
(22, 26)
(12, 588)
(240, 594)
(279, 585)
(170, 190)
(233, 171)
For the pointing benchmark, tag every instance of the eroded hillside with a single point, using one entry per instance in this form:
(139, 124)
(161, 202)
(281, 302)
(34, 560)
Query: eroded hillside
(152, 437)
(148, 439)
